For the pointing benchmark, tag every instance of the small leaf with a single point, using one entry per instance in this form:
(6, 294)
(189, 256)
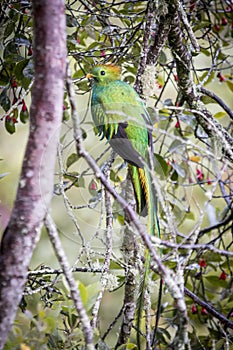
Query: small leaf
(195, 159)
(71, 160)
(24, 116)
(161, 166)
(83, 292)
(207, 99)
(4, 99)
(71, 21)
(220, 115)
(175, 146)
(9, 125)
(190, 216)
(93, 187)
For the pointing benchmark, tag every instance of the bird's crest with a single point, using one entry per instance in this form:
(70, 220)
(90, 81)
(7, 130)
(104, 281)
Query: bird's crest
(111, 67)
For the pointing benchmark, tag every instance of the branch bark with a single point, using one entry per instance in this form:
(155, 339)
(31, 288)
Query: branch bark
(182, 58)
(36, 179)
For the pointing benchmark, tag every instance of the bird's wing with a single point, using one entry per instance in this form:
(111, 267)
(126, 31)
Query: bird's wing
(121, 117)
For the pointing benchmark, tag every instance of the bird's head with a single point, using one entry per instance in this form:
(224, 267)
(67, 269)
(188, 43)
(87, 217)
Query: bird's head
(102, 74)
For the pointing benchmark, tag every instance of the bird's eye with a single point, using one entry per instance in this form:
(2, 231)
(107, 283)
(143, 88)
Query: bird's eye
(102, 72)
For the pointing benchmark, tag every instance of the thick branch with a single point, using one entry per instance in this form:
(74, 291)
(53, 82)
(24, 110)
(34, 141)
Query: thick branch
(182, 57)
(36, 180)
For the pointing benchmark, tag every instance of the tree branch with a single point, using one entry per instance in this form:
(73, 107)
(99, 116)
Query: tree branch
(36, 179)
(61, 256)
(218, 100)
(182, 57)
(209, 308)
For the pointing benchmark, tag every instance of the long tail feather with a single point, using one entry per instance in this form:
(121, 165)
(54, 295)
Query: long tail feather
(144, 195)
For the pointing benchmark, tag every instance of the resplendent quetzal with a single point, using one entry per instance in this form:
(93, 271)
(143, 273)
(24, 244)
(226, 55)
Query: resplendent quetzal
(121, 117)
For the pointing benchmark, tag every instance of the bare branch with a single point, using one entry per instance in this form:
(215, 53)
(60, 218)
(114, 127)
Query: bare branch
(61, 256)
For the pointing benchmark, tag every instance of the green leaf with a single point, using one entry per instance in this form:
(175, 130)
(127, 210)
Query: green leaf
(215, 281)
(71, 160)
(176, 146)
(9, 29)
(207, 99)
(10, 125)
(76, 178)
(4, 99)
(24, 72)
(83, 292)
(161, 166)
(93, 187)
(24, 116)
(220, 115)
(190, 216)
(71, 21)
(11, 53)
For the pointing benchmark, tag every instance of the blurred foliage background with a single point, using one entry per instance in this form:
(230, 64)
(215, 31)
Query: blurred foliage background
(195, 176)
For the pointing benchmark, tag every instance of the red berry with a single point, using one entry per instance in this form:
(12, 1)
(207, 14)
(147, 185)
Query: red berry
(93, 186)
(224, 21)
(190, 180)
(200, 175)
(24, 107)
(223, 276)
(194, 309)
(176, 77)
(14, 120)
(217, 27)
(192, 5)
(102, 53)
(209, 181)
(204, 311)
(78, 40)
(177, 125)
(202, 263)
(221, 77)
(14, 83)
(30, 51)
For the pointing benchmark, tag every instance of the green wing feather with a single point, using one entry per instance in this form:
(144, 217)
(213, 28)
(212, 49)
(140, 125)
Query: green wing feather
(120, 115)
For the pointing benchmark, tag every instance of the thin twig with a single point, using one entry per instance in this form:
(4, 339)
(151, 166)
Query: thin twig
(62, 258)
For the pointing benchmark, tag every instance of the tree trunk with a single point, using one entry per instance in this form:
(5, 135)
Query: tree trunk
(36, 180)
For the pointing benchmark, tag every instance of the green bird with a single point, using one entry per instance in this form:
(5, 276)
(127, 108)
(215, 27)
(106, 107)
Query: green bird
(121, 117)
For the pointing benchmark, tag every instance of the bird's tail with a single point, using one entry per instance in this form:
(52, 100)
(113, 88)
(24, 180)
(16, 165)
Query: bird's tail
(146, 204)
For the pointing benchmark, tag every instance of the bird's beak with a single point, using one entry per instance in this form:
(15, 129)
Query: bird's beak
(89, 76)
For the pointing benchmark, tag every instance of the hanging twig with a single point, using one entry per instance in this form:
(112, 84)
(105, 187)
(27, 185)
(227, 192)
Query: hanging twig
(63, 261)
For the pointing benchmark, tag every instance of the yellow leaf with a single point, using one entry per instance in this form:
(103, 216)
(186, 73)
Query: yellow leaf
(220, 115)
(195, 159)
